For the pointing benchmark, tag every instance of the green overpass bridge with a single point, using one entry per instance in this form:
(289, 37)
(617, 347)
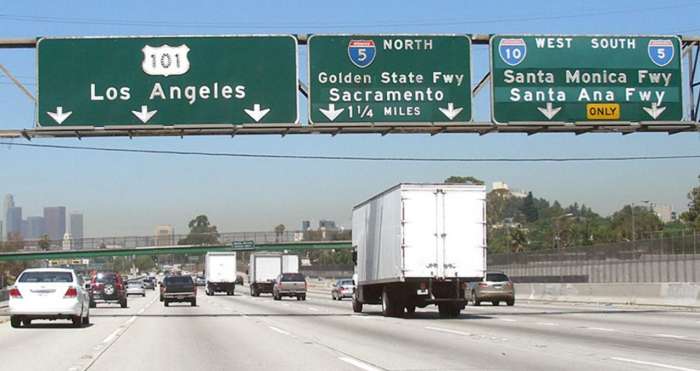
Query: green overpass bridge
(174, 249)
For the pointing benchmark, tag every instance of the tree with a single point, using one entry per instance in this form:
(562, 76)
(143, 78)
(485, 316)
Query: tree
(644, 220)
(528, 208)
(145, 263)
(693, 214)
(44, 243)
(201, 232)
(279, 231)
(454, 179)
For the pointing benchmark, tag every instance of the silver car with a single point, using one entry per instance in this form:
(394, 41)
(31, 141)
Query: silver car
(135, 288)
(494, 287)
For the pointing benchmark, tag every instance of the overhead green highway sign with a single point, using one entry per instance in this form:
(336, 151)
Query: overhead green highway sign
(188, 80)
(366, 79)
(585, 78)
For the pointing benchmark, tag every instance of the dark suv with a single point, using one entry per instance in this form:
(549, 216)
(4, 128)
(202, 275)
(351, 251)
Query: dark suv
(107, 287)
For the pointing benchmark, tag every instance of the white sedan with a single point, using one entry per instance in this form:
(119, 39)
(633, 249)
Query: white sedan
(49, 293)
(135, 288)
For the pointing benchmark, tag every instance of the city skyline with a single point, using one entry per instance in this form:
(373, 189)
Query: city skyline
(52, 222)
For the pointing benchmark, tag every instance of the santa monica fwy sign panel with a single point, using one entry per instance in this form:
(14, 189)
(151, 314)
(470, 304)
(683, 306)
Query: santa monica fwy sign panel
(167, 80)
(364, 79)
(586, 78)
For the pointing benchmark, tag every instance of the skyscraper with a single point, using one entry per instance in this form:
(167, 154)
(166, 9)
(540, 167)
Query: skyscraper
(165, 235)
(7, 203)
(14, 222)
(55, 219)
(76, 229)
(35, 227)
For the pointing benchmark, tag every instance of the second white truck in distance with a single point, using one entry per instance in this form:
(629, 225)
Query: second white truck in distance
(417, 245)
(220, 272)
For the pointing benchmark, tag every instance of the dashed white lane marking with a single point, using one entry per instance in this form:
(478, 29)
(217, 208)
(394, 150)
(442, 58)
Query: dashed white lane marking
(547, 323)
(141, 311)
(654, 364)
(273, 328)
(112, 336)
(670, 336)
(440, 329)
(131, 320)
(313, 309)
(600, 329)
(359, 364)
(507, 320)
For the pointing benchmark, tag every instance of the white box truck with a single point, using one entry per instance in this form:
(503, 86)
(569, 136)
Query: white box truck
(419, 244)
(220, 272)
(262, 271)
(290, 264)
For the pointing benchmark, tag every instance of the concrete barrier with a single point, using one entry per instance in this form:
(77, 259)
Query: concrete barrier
(674, 294)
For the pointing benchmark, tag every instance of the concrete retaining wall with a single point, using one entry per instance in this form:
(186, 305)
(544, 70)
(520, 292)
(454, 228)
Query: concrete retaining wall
(683, 294)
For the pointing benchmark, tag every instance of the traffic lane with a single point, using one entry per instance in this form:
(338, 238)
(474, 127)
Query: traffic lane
(56, 345)
(632, 320)
(210, 337)
(657, 322)
(397, 344)
(562, 337)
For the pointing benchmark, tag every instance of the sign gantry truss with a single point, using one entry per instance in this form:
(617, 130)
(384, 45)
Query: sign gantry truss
(454, 122)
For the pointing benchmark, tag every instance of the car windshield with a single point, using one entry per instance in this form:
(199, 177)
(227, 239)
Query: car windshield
(345, 283)
(496, 277)
(105, 278)
(292, 277)
(178, 280)
(46, 277)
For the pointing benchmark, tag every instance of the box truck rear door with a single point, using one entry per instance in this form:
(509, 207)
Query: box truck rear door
(419, 238)
(463, 232)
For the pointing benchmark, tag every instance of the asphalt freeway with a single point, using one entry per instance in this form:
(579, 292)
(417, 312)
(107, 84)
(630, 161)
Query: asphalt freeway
(246, 333)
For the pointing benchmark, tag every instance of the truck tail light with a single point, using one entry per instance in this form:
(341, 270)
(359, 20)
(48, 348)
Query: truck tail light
(70, 293)
(14, 293)
(305, 285)
(483, 284)
(509, 284)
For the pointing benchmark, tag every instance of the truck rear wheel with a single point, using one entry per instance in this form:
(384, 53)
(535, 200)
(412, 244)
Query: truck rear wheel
(390, 305)
(356, 305)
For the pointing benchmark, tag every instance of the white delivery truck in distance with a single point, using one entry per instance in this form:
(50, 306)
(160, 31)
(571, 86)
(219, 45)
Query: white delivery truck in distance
(419, 244)
(262, 271)
(290, 264)
(220, 272)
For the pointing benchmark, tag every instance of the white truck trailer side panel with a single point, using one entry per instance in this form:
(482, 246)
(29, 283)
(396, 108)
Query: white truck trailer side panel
(290, 264)
(265, 268)
(220, 267)
(441, 227)
(376, 231)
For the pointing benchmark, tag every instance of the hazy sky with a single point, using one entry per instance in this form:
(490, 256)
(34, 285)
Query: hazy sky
(129, 194)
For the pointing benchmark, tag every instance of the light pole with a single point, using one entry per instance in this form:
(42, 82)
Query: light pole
(634, 231)
(558, 246)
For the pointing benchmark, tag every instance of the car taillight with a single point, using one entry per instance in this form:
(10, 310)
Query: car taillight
(483, 284)
(305, 284)
(119, 286)
(14, 293)
(423, 286)
(71, 293)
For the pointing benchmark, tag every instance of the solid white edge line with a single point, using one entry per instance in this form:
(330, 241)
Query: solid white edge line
(313, 309)
(359, 364)
(507, 320)
(654, 364)
(273, 328)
